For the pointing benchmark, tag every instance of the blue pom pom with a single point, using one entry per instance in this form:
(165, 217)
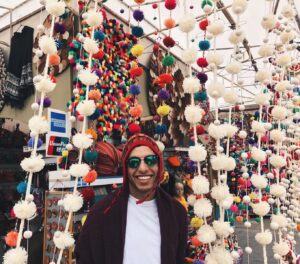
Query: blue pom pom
(95, 115)
(90, 155)
(30, 143)
(59, 44)
(198, 262)
(21, 188)
(99, 35)
(204, 45)
(164, 94)
(161, 129)
(137, 31)
(135, 89)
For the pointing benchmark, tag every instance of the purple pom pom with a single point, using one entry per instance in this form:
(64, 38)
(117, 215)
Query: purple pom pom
(163, 94)
(30, 143)
(138, 15)
(47, 102)
(202, 77)
(135, 89)
(97, 72)
(59, 28)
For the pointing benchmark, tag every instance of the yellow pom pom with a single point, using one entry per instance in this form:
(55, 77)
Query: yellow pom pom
(163, 110)
(65, 153)
(196, 222)
(252, 196)
(83, 219)
(237, 199)
(137, 50)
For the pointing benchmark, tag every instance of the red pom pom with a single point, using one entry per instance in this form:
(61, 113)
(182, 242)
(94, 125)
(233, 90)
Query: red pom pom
(264, 139)
(264, 198)
(170, 4)
(169, 42)
(154, 6)
(99, 55)
(133, 128)
(202, 62)
(88, 194)
(165, 78)
(90, 177)
(203, 24)
(156, 47)
(80, 118)
(136, 72)
(200, 130)
(241, 181)
(12, 213)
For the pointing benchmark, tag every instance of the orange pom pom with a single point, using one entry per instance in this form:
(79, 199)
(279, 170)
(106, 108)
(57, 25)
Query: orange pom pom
(54, 59)
(11, 238)
(94, 95)
(165, 78)
(136, 111)
(92, 132)
(136, 71)
(90, 177)
(239, 219)
(169, 23)
(139, 1)
(196, 242)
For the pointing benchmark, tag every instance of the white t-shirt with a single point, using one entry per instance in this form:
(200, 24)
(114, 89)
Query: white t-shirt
(142, 238)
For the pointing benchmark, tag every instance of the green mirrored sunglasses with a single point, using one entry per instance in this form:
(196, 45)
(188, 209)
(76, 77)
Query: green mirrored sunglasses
(134, 162)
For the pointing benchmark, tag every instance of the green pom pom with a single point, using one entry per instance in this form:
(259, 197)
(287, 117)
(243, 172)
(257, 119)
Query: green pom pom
(201, 96)
(168, 60)
(231, 220)
(257, 219)
(242, 206)
(206, 2)
(267, 189)
(91, 155)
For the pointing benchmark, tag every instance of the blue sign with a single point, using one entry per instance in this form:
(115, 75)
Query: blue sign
(58, 122)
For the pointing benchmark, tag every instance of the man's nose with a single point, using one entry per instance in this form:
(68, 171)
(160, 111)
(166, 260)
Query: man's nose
(143, 166)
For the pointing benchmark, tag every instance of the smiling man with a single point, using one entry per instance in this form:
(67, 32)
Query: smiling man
(139, 223)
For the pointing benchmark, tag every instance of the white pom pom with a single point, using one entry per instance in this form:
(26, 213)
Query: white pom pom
(203, 208)
(288, 11)
(216, 28)
(230, 130)
(206, 234)
(38, 125)
(274, 226)
(266, 50)
(60, 202)
(189, 55)
(41, 29)
(45, 85)
(262, 98)
(27, 234)
(33, 164)
(55, 8)
(259, 181)
(219, 255)
(261, 208)
(262, 76)
(197, 153)
(283, 86)
(24, 210)
(258, 154)
(220, 192)
(217, 132)
(227, 202)
(247, 224)
(264, 238)
(47, 45)
(277, 135)
(15, 256)
(160, 145)
(279, 112)
(90, 46)
(277, 190)
(286, 37)
(248, 250)
(191, 85)
(242, 134)
(214, 58)
(69, 146)
(246, 199)
(29, 198)
(79, 170)
(200, 185)
(187, 23)
(235, 255)
(87, 78)
(269, 22)
(63, 240)
(281, 248)
(193, 114)
(239, 6)
(236, 37)
(230, 164)
(191, 199)
(218, 162)
(230, 97)
(221, 228)
(258, 127)
(93, 18)
(35, 106)
(86, 107)
(234, 67)
(280, 220)
(82, 141)
(283, 59)
(277, 161)
(215, 90)
(72, 202)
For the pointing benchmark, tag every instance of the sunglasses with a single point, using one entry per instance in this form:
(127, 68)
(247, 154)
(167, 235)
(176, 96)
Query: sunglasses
(134, 162)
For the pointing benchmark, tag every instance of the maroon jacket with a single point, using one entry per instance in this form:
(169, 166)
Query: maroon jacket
(102, 238)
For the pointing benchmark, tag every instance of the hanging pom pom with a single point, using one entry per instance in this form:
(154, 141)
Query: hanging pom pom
(230, 97)
(203, 208)
(242, 134)
(279, 112)
(222, 229)
(99, 35)
(286, 37)
(11, 238)
(137, 31)
(216, 28)
(86, 107)
(261, 208)
(87, 78)
(262, 76)
(164, 94)
(22, 186)
(277, 135)
(239, 6)
(220, 192)
(93, 18)
(269, 22)
(138, 15)
(163, 110)
(264, 238)
(15, 256)
(33, 164)
(288, 11)
(206, 234)
(27, 234)
(191, 85)
(24, 210)
(236, 37)
(45, 85)
(277, 161)
(137, 50)
(82, 141)
(47, 45)
(79, 170)
(215, 131)
(283, 86)
(259, 181)
(90, 177)
(280, 220)
(281, 248)
(169, 42)
(54, 59)
(219, 255)
(258, 127)
(230, 164)
(169, 23)
(72, 202)
(189, 55)
(135, 89)
(88, 194)
(262, 98)
(230, 130)
(90, 46)
(202, 77)
(278, 190)
(258, 154)
(200, 185)
(204, 45)
(234, 67)
(216, 90)
(161, 146)
(134, 128)
(197, 153)
(136, 111)
(193, 114)
(63, 240)
(217, 162)
(170, 4)
(55, 8)
(187, 23)
(284, 59)
(136, 71)
(266, 50)
(214, 58)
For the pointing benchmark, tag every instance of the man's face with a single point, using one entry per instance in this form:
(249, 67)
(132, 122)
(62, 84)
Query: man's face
(143, 178)
(179, 188)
